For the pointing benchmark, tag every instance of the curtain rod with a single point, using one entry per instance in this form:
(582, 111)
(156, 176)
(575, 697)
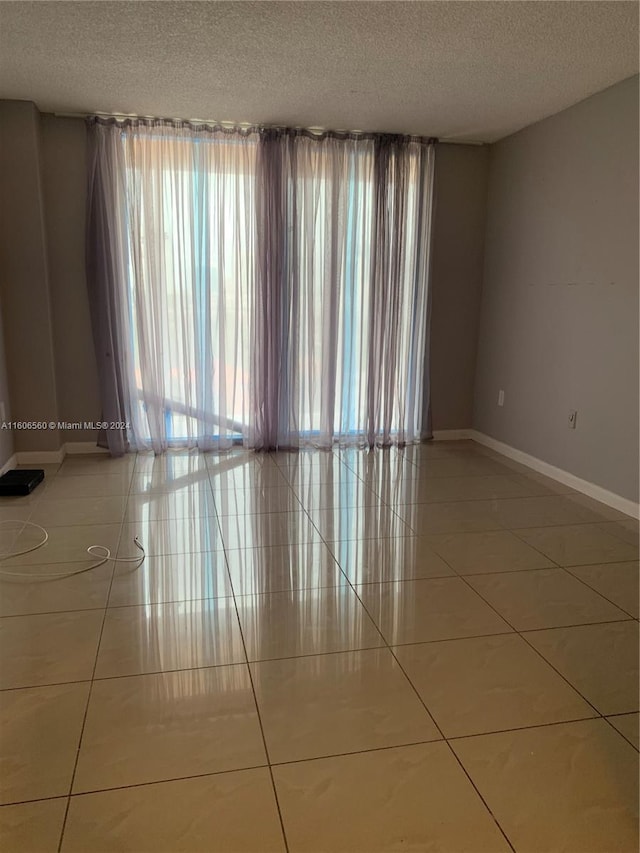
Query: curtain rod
(244, 124)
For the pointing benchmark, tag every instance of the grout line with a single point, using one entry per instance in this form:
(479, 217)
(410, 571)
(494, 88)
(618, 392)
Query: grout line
(531, 646)
(255, 700)
(329, 545)
(569, 573)
(597, 591)
(139, 785)
(35, 800)
(589, 718)
(618, 730)
(95, 664)
(430, 715)
(442, 739)
(579, 625)
(319, 654)
(540, 655)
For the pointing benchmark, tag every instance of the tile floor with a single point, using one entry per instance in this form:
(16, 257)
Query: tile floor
(432, 649)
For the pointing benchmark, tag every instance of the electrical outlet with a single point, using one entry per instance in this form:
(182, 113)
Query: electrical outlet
(501, 397)
(573, 416)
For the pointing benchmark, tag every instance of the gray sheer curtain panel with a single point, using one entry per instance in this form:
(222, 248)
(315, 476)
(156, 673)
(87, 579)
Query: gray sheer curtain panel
(344, 249)
(270, 323)
(263, 286)
(180, 268)
(107, 284)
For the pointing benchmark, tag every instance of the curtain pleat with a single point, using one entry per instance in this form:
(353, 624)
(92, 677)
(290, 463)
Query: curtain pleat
(265, 286)
(106, 282)
(270, 320)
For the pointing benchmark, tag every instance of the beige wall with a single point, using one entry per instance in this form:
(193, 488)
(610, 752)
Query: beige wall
(456, 280)
(49, 350)
(559, 319)
(24, 276)
(65, 178)
(6, 436)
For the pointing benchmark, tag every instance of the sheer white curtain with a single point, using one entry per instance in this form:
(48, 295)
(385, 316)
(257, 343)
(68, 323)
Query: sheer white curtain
(269, 287)
(184, 208)
(356, 223)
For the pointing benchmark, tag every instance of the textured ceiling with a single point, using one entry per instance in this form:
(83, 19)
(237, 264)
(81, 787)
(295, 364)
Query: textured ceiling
(459, 70)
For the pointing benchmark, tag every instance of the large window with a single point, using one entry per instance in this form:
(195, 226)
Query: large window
(272, 290)
(191, 266)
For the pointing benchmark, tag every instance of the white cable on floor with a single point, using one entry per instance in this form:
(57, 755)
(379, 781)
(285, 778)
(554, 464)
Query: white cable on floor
(90, 550)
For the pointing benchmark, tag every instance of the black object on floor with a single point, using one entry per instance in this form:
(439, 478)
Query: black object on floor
(20, 481)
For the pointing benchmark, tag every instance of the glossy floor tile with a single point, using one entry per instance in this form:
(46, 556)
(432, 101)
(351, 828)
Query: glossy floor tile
(267, 529)
(66, 544)
(488, 684)
(572, 786)
(104, 465)
(277, 568)
(618, 582)
(333, 475)
(48, 648)
(462, 466)
(255, 501)
(628, 530)
(544, 598)
(27, 594)
(365, 522)
(59, 512)
(443, 489)
(173, 461)
(234, 812)
(494, 551)
(161, 481)
(168, 636)
(427, 648)
(391, 559)
(171, 577)
(32, 826)
(192, 503)
(411, 797)
(347, 494)
(337, 703)
(13, 509)
(601, 661)
(547, 510)
(305, 622)
(39, 735)
(245, 477)
(423, 610)
(87, 486)
(579, 545)
(171, 536)
(195, 721)
(627, 725)
(456, 516)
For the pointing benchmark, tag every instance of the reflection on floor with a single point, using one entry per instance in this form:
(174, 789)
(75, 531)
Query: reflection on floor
(428, 649)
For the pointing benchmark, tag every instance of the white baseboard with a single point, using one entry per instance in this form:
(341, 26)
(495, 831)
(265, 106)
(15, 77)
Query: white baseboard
(451, 434)
(11, 462)
(44, 457)
(624, 505)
